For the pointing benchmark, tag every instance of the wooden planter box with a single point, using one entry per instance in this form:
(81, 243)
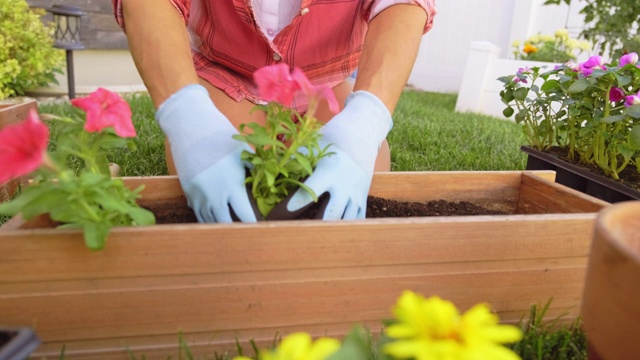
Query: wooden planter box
(216, 283)
(13, 111)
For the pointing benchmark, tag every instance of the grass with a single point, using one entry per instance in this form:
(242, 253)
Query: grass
(428, 135)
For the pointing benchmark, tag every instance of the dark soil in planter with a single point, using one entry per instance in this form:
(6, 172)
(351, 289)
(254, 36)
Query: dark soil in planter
(629, 176)
(376, 208)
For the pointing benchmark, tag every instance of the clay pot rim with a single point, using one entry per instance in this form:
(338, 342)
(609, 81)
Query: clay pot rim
(608, 225)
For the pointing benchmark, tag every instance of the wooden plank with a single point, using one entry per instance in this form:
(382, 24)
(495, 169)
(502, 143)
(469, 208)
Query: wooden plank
(137, 251)
(16, 110)
(540, 196)
(241, 308)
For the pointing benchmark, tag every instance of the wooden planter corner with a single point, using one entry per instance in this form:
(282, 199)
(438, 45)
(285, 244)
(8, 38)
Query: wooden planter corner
(11, 112)
(216, 283)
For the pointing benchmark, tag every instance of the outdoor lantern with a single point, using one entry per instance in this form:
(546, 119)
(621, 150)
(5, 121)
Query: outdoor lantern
(67, 36)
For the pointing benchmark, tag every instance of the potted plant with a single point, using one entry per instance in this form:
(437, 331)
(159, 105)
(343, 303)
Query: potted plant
(582, 114)
(286, 148)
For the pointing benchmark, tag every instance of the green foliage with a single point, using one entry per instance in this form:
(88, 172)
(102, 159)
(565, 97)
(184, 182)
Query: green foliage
(429, 135)
(279, 167)
(27, 56)
(549, 340)
(608, 23)
(558, 48)
(567, 108)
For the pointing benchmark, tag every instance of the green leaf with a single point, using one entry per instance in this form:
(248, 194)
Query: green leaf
(507, 112)
(626, 151)
(95, 235)
(29, 194)
(634, 137)
(141, 216)
(355, 346)
(622, 80)
(550, 85)
(304, 162)
(44, 203)
(521, 93)
(633, 111)
(612, 119)
(579, 86)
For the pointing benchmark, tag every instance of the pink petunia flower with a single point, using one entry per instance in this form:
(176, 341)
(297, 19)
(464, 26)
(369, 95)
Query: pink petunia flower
(316, 93)
(616, 94)
(106, 109)
(595, 62)
(632, 100)
(275, 83)
(23, 147)
(631, 58)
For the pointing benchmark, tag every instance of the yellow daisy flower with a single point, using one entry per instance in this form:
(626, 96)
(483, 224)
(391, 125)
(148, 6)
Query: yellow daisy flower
(299, 346)
(433, 329)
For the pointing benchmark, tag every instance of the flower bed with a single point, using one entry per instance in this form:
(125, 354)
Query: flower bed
(216, 283)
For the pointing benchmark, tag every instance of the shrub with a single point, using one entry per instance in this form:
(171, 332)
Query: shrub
(27, 56)
(550, 48)
(608, 23)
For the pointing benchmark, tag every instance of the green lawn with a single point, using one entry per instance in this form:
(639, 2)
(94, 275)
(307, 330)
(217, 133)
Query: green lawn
(428, 135)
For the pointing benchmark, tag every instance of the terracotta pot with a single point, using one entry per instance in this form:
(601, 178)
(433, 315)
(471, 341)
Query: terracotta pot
(611, 305)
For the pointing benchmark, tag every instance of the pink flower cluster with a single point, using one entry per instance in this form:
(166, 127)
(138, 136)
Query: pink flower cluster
(277, 83)
(616, 94)
(23, 146)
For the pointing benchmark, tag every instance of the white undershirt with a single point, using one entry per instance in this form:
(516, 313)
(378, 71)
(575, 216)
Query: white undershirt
(274, 15)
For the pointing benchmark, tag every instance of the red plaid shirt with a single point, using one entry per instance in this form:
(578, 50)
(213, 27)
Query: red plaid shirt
(324, 40)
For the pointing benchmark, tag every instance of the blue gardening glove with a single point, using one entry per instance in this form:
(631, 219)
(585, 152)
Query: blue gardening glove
(356, 134)
(207, 158)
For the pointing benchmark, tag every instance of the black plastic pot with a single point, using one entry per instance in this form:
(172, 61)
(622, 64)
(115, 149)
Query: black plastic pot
(280, 212)
(17, 343)
(579, 178)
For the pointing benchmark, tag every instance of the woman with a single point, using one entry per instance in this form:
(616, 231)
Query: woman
(197, 58)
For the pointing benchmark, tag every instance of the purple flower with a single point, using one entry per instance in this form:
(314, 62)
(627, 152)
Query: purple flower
(516, 79)
(595, 62)
(631, 58)
(616, 94)
(632, 100)
(524, 70)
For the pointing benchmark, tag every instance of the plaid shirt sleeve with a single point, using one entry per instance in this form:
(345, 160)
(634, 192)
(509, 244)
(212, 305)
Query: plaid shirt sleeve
(428, 5)
(182, 6)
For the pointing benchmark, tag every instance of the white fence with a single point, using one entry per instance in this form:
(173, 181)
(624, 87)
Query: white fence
(444, 50)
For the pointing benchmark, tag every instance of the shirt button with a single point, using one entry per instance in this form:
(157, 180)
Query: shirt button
(271, 32)
(304, 11)
(276, 57)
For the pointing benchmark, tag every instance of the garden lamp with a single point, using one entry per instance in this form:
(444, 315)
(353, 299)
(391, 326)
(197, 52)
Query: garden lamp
(67, 36)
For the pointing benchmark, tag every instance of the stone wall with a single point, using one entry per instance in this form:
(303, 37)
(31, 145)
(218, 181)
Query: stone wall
(99, 29)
